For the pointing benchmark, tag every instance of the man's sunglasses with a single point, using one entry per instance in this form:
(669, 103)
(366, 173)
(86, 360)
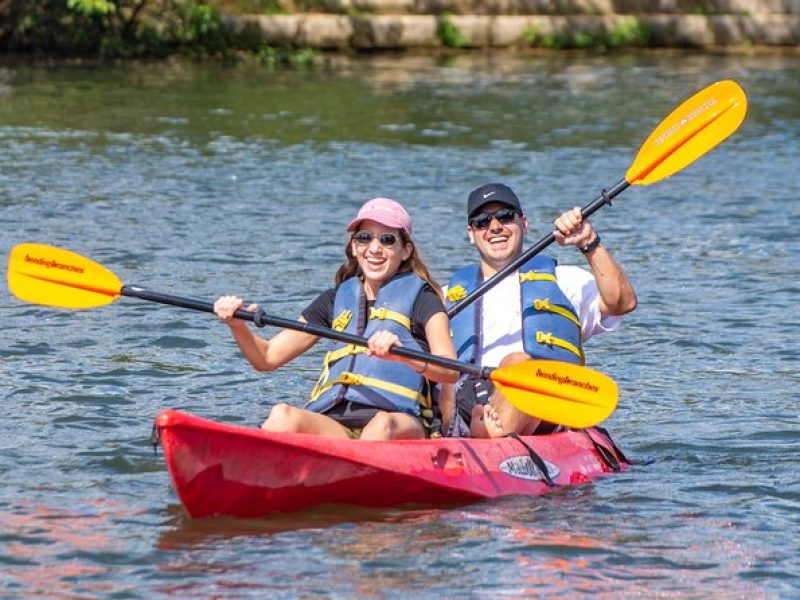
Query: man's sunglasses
(387, 240)
(504, 216)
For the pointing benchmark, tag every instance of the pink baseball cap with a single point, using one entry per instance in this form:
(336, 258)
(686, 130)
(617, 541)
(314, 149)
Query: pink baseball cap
(384, 211)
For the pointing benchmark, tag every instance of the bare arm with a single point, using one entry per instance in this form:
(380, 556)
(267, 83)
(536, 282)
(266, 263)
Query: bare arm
(617, 296)
(264, 355)
(437, 330)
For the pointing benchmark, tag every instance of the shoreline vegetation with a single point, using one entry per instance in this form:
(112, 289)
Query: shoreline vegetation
(299, 33)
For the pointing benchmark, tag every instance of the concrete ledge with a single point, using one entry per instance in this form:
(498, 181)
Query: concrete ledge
(543, 7)
(384, 32)
(404, 31)
(723, 30)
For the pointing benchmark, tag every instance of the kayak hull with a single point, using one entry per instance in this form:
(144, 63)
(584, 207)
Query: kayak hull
(221, 469)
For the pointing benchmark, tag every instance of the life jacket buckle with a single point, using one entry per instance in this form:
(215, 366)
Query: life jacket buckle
(378, 313)
(456, 293)
(348, 378)
(341, 322)
(544, 338)
(539, 304)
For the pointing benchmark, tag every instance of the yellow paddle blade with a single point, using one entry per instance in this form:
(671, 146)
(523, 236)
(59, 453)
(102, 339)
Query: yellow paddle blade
(55, 277)
(691, 130)
(558, 392)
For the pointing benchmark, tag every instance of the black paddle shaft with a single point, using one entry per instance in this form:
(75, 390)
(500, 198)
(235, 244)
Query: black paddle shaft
(260, 319)
(604, 198)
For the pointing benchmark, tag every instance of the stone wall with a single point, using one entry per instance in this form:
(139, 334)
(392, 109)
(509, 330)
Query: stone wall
(406, 24)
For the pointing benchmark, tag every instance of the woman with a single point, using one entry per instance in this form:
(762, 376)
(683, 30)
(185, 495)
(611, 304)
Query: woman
(384, 292)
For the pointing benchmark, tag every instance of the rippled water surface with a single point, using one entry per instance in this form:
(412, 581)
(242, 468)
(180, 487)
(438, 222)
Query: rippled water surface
(201, 180)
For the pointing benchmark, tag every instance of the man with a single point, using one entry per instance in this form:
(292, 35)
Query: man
(543, 311)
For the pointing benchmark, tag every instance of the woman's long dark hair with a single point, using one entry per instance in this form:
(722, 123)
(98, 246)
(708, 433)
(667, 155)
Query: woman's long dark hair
(413, 264)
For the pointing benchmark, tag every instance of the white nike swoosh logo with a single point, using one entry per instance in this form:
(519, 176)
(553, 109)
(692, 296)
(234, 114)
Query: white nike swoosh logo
(487, 195)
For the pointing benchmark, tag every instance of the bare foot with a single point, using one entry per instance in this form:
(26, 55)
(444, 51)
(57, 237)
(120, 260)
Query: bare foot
(494, 426)
(485, 423)
(477, 427)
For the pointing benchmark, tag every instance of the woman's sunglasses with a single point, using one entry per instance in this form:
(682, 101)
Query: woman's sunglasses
(387, 240)
(504, 216)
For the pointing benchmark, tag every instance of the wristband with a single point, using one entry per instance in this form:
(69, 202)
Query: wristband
(591, 245)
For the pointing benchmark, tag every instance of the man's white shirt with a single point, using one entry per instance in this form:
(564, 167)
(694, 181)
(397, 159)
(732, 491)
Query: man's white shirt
(502, 318)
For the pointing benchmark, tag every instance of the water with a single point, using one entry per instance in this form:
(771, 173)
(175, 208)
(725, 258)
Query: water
(200, 180)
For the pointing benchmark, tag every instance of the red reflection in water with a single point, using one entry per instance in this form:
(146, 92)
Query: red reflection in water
(48, 534)
(607, 563)
(606, 566)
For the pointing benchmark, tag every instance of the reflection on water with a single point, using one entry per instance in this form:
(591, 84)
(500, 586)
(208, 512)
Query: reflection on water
(199, 180)
(48, 550)
(485, 543)
(183, 532)
(467, 100)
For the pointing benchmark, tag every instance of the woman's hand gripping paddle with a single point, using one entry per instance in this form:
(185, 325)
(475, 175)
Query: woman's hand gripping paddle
(557, 392)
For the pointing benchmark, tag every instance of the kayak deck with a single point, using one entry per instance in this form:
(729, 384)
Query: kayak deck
(221, 469)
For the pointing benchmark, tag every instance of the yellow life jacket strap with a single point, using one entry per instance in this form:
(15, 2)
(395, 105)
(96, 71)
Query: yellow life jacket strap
(331, 357)
(334, 355)
(427, 411)
(544, 304)
(347, 378)
(534, 276)
(384, 313)
(321, 379)
(551, 340)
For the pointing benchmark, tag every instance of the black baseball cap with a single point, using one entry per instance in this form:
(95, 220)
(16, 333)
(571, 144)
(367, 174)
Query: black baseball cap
(491, 192)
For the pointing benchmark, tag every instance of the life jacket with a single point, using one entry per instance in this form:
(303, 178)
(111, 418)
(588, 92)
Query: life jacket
(550, 327)
(348, 373)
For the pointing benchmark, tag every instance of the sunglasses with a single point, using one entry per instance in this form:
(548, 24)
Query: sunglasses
(387, 240)
(504, 216)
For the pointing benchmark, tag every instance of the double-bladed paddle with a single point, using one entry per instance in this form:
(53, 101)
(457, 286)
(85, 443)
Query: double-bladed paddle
(561, 393)
(691, 130)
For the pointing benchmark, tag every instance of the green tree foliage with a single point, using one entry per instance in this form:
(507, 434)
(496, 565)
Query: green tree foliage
(112, 28)
(627, 32)
(449, 33)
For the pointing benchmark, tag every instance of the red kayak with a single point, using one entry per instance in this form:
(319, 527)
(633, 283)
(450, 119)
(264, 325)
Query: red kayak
(220, 469)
